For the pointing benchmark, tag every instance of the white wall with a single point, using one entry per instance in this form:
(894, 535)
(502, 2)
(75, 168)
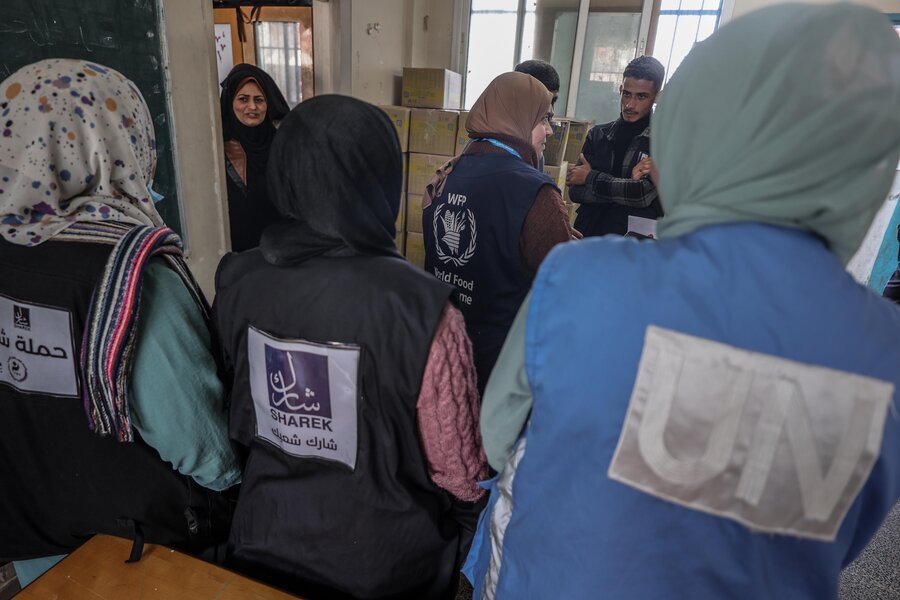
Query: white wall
(431, 33)
(377, 39)
(744, 6)
(197, 140)
(377, 48)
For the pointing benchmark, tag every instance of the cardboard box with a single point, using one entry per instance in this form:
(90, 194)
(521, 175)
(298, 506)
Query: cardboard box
(433, 131)
(557, 173)
(421, 169)
(400, 223)
(405, 173)
(555, 149)
(399, 116)
(415, 249)
(462, 136)
(414, 213)
(431, 88)
(578, 131)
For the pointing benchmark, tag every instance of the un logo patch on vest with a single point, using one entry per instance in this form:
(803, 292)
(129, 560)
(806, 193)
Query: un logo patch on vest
(779, 446)
(37, 354)
(455, 232)
(305, 396)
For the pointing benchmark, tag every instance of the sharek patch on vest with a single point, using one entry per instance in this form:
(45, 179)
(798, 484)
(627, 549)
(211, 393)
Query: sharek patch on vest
(301, 389)
(301, 421)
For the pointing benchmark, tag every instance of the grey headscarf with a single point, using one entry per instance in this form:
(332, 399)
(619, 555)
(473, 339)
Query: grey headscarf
(790, 116)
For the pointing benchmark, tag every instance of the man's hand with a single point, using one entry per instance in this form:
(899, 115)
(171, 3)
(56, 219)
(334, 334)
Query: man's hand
(577, 175)
(642, 169)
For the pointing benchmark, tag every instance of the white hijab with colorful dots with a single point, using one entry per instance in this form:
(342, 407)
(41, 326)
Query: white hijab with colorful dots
(76, 144)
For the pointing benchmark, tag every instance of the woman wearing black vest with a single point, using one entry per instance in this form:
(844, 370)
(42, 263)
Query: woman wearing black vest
(353, 385)
(490, 216)
(102, 328)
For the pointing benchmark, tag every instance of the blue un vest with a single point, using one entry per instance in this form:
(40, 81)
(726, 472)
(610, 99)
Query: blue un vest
(472, 233)
(573, 532)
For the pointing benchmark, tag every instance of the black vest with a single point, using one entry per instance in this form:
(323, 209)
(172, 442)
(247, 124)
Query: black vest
(313, 526)
(472, 234)
(609, 218)
(60, 482)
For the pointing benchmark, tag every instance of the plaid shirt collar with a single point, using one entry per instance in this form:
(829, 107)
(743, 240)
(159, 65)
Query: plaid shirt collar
(611, 129)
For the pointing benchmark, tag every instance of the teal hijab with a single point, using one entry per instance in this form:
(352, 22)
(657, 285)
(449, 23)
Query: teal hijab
(788, 116)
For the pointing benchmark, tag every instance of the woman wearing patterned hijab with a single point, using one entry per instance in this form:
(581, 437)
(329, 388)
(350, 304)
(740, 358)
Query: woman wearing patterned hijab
(723, 402)
(94, 334)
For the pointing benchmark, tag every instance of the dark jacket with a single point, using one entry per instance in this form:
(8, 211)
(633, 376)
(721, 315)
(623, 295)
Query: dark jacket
(607, 199)
(61, 483)
(363, 519)
(248, 213)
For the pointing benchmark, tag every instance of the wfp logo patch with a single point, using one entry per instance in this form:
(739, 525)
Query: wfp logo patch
(455, 234)
(298, 382)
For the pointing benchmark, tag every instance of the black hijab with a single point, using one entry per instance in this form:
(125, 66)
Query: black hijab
(248, 205)
(341, 199)
(254, 140)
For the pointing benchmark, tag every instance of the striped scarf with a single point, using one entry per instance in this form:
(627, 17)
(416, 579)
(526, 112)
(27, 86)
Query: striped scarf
(107, 349)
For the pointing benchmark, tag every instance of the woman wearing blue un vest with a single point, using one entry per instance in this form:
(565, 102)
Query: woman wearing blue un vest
(714, 415)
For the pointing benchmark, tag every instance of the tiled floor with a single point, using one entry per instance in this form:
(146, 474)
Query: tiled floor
(464, 592)
(9, 585)
(875, 575)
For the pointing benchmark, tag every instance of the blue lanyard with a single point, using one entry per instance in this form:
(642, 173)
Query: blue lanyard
(500, 144)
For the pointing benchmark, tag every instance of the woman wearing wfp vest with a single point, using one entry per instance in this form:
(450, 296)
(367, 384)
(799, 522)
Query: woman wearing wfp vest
(490, 217)
(726, 407)
(354, 390)
(99, 315)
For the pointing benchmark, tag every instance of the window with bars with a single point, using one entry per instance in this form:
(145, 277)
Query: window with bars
(505, 32)
(279, 53)
(683, 23)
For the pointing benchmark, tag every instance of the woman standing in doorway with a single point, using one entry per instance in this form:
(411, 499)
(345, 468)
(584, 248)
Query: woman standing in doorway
(251, 104)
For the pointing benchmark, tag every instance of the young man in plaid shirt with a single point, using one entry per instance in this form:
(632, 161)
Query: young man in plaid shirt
(612, 179)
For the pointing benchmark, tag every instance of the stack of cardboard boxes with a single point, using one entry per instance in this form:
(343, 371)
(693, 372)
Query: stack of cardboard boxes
(561, 151)
(428, 125)
(432, 130)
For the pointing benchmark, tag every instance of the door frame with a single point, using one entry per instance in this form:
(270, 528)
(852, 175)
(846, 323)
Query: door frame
(578, 54)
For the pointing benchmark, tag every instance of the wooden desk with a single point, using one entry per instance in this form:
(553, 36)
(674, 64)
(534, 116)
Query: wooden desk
(97, 571)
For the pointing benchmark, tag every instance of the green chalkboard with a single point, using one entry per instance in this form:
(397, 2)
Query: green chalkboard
(122, 34)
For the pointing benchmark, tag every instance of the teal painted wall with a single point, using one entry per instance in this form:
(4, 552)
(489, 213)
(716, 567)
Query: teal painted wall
(886, 261)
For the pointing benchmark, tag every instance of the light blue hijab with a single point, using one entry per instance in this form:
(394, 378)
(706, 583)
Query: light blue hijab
(790, 116)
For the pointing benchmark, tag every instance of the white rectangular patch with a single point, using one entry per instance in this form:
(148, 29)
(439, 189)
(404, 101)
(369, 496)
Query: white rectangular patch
(642, 226)
(37, 354)
(305, 396)
(777, 445)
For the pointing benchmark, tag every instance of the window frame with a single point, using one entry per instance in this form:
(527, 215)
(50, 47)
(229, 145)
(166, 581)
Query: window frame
(243, 35)
(650, 14)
